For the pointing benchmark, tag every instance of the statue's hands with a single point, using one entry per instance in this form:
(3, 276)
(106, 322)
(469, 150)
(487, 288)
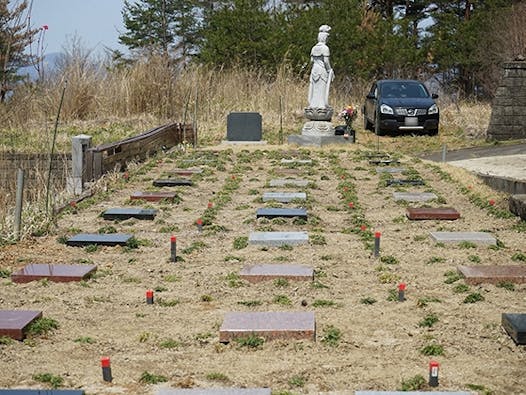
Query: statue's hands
(331, 72)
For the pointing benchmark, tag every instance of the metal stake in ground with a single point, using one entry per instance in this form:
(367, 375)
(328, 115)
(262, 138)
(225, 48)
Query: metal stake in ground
(173, 249)
(433, 374)
(377, 236)
(106, 369)
(401, 292)
(149, 296)
(199, 224)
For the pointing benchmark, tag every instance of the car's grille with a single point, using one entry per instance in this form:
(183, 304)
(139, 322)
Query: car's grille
(411, 112)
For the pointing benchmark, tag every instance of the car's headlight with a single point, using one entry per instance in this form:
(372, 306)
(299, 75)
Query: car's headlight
(385, 109)
(433, 109)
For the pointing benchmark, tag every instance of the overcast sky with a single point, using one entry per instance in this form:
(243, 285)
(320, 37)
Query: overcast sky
(96, 22)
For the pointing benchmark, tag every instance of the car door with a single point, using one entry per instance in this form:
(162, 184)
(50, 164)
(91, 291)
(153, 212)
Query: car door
(370, 104)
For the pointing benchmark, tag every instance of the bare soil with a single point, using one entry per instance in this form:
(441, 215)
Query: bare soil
(380, 343)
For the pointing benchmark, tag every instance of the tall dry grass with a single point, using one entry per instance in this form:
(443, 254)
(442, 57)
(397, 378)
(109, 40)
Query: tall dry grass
(112, 102)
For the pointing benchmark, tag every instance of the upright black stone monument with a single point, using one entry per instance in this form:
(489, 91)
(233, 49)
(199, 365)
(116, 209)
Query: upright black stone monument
(244, 126)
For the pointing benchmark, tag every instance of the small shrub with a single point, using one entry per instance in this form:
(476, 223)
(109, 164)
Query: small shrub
(169, 343)
(467, 244)
(428, 321)
(474, 298)
(507, 285)
(251, 341)
(414, 383)
(482, 390)
(389, 260)
(451, 276)
(233, 280)
(323, 303)
(368, 301)
(167, 302)
(240, 242)
(432, 350)
(435, 259)
(195, 246)
(108, 229)
(460, 288)
(206, 298)
(42, 326)
(5, 273)
(216, 376)
(474, 258)
(282, 300)
(5, 340)
(150, 378)
(52, 380)
(297, 381)
(331, 336)
(317, 239)
(91, 248)
(519, 256)
(281, 282)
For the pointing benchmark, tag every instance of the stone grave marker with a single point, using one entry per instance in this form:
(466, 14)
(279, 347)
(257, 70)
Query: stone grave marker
(441, 213)
(493, 274)
(186, 172)
(214, 391)
(269, 325)
(13, 323)
(263, 272)
(391, 170)
(40, 392)
(412, 393)
(153, 196)
(517, 205)
(54, 272)
(384, 162)
(276, 239)
(515, 325)
(112, 239)
(284, 197)
(458, 237)
(288, 172)
(286, 182)
(414, 196)
(244, 126)
(281, 212)
(172, 183)
(403, 181)
(127, 213)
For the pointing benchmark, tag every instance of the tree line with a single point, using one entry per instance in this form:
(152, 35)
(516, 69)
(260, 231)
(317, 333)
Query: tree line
(460, 43)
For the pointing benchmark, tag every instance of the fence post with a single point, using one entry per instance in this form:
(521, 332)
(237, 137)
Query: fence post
(19, 202)
(79, 145)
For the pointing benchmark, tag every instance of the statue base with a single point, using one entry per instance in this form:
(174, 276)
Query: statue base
(318, 113)
(317, 128)
(318, 141)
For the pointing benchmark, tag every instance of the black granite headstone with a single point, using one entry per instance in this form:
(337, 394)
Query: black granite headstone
(515, 325)
(281, 212)
(244, 126)
(126, 213)
(172, 183)
(85, 239)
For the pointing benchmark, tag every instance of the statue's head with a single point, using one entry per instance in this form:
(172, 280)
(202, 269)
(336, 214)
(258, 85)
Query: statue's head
(323, 33)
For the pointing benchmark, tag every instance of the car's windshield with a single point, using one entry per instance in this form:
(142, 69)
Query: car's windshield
(404, 89)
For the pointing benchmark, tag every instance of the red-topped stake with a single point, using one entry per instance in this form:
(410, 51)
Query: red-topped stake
(491, 202)
(377, 236)
(401, 292)
(351, 205)
(433, 374)
(199, 224)
(106, 369)
(363, 228)
(210, 204)
(173, 249)
(149, 296)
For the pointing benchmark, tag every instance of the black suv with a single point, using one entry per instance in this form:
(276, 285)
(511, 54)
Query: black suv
(400, 105)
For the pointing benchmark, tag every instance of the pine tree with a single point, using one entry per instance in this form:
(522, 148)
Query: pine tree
(161, 26)
(15, 36)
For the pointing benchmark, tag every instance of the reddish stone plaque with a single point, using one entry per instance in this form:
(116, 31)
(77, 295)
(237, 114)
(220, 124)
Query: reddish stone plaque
(493, 274)
(53, 272)
(432, 213)
(257, 273)
(14, 322)
(153, 196)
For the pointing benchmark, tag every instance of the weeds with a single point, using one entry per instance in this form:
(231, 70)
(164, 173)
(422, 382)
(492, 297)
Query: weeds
(282, 300)
(150, 378)
(84, 340)
(331, 336)
(507, 285)
(435, 259)
(519, 257)
(451, 276)
(368, 301)
(233, 280)
(240, 242)
(281, 282)
(389, 260)
(414, 383)
(428, 321)
(297, 381)
(460, 288)
(216, 376)
(42, 326)
(323, 303)
(250, 303)
(169, 343)
(474, 298)
(195, 246)
(48, 378)
(251, 341)
(432, 350)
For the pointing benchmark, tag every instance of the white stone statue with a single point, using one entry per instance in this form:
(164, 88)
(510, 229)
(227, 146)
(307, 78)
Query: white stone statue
(321, 74)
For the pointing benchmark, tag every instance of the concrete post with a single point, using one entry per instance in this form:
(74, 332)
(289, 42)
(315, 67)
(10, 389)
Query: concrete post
(79, 145)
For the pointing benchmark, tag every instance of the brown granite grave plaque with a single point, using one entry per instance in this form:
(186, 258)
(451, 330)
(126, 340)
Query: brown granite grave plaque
(153, 196)
(439, 213)
(13, 323)
(493, 274)
(53, 272)
(262, 272)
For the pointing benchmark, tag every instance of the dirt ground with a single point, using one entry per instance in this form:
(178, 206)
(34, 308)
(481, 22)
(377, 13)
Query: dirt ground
(177, 337)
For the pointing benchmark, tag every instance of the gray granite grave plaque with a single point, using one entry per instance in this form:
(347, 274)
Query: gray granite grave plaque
(281, 212)
(244, 126)
(391, 170)
(296, 161)
(284, 197)
(213, 391)
(126, 213)
(262, 272)
(277, 239)
(112, 239)
(459, 237)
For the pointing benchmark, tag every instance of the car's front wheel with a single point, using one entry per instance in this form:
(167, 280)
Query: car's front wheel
(432, 132)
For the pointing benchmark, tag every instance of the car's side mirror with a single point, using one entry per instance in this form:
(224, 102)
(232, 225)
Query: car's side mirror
(434, 96)
(371, 96)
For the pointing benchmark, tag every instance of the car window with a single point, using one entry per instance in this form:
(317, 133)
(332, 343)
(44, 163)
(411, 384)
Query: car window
(404, 89)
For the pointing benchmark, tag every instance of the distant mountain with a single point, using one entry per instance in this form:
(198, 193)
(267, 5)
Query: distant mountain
(49, 64)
